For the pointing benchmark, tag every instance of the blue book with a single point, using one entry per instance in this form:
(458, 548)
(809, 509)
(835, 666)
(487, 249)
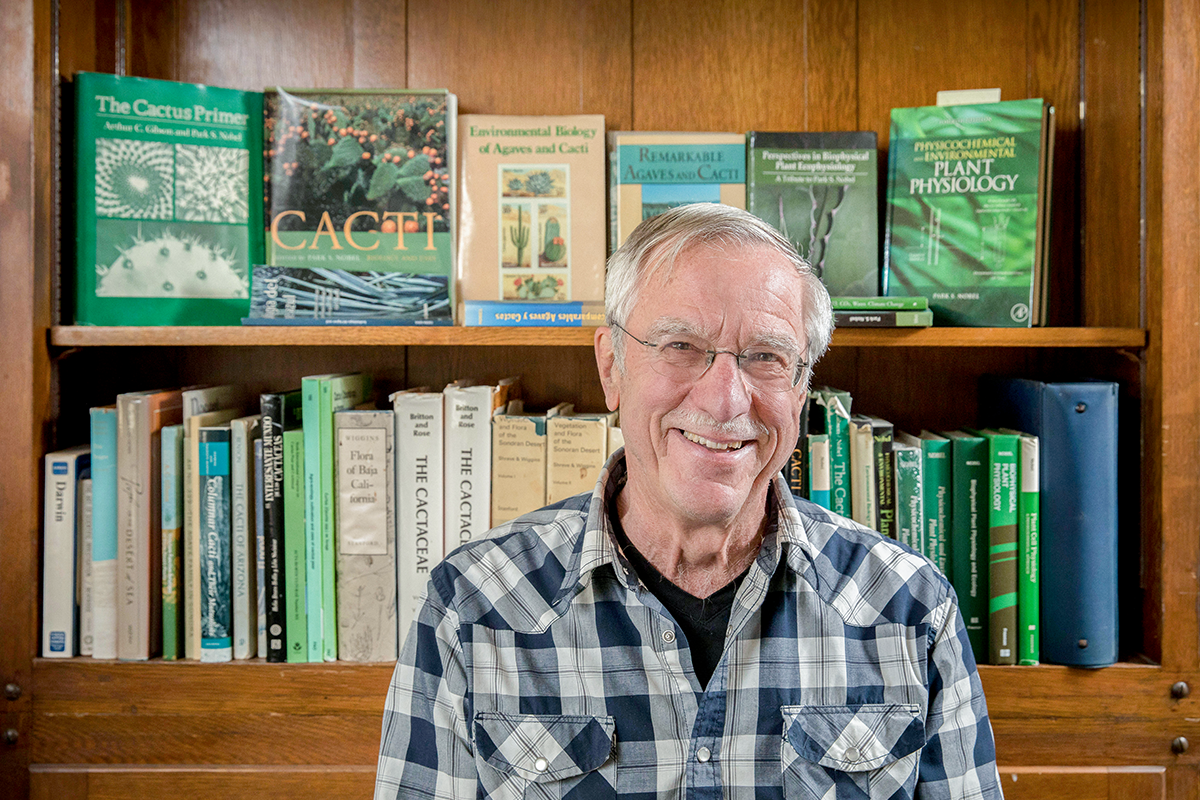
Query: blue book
(104, 531)
(216, 598)
(510, 313)
(1077, 426)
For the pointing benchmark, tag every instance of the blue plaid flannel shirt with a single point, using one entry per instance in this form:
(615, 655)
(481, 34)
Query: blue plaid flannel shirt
(539, 667)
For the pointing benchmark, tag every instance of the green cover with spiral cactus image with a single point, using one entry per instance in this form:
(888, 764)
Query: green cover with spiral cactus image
(821, 191)
(168, 201)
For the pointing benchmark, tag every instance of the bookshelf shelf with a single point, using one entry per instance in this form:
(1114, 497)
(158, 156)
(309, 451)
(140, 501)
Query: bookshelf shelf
(86, 336)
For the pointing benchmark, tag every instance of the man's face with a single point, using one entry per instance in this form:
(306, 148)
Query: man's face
(704, 451)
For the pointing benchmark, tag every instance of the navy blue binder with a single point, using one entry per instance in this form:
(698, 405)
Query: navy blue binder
(1077, 425)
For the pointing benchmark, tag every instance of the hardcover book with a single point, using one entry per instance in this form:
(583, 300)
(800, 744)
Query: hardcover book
(821, 191)
(653, 171)
(519, 438)
(1003, 569)
(968, 535)
(883, 319)
(216, 599)
(964, 217)
(1028, 549)
(243, 487)
(468, 457)
(260, 552)
(281, 412)
(832, 417)
(167, 201)
(103, 424)
(864, 500)
(937, 465)
(172, 541)
(83, 560)
(531, 231)
(910, 491)
(818, 469)
(576, 449)
(60, 613)
(360, 183)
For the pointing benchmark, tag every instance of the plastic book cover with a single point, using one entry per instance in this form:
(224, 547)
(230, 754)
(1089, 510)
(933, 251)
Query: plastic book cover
(821, 191)
(167, 201)
(338, 297)
(964, 184)
(362, 181)
(531, 229)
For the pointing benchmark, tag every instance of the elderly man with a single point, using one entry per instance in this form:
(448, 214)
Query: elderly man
(690, 629)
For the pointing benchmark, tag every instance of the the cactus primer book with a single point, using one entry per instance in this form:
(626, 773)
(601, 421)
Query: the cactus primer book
(168, 201)
(532, 222)
(360, 196)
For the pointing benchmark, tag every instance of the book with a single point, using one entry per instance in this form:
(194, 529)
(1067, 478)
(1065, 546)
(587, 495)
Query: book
(910, 491)
(297, 609)
(60, 518)
(168, 203)
(1076, 423)
(420, 496)
(281, 411)
(653, 171)
(103, 437)
(832, 417)
(366, 542)
(468, 457)
(83, 560)
(883, 319)
(885, 476)
(576, 449)
(518, 460)
(260, 553)
(323, 395)
(821, 191)
(360, 183)
(918, 303)
(964, 192)
(818, 469)
(342, 298)
(1028, 549)
(1003, 569)
(864, 508)
(141, 416)
(937, 506)
(530, 229)
(796, 469)
(968, 534)
(216, 601)
(172, 541)
(243, 488)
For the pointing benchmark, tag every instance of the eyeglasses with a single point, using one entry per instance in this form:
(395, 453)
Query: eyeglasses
(685, 358)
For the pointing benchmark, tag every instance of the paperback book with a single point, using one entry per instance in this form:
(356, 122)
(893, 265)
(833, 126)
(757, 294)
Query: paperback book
(216, 598)
(60, 614)
(103, 428)
(883, 319)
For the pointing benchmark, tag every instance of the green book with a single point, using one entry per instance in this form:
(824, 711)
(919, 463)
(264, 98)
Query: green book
(168, 201)
(964, 190)
(968, 534)
(885, 473)
(937, 507)
(295, 573)
(1028, 552)
(833, 410)
(172, 539)
(910, 495)
(879, 303)
(1002, 546)
(883, 319)
(821, 191)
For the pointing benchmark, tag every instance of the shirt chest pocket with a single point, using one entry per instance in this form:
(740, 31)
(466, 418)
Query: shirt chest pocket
(851, 753)
(545, 756)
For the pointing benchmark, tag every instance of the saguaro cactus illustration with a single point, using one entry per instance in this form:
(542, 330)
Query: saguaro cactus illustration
(519, 236)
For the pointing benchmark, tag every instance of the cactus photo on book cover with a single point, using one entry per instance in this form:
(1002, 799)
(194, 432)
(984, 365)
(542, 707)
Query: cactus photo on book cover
(535, 232)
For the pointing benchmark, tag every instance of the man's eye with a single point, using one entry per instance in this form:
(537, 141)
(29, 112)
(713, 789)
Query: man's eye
(764, 357)
(679, 346)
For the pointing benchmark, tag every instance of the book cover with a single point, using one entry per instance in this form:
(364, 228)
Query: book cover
(519, 459)
(910, 491)
(420, 497)
(653, 171)
(468, 457)
(366, 545)
(833, 414)
(216, 600)
(141, 416)
(260, 553)
(168, 201)
(172, 541)
(295, 565)
(103, 429)
(243, 433)
(362, 182)
(963, 191)
(968, 535)
(60, 613)
(281, 411)
(531, 231)
(821, 191)
(1076, 424)
(1028, 550)
(340, 298)
(818, 469)
(883, 319)
(864, 508)
(1003, 568)
(576, 449)
(936, 464)
(83, 560)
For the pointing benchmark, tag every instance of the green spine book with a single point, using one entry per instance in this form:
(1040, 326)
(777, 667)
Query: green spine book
(821, 191)
(963, 207)
(295, 572)
(360, 188)
(1029, 554)
(885, 472)
(910, 518)
(168, 191)
(879, 303)
(937, 474)
(834, 412)
(172, 539)
(1002, 546)
(968, 533)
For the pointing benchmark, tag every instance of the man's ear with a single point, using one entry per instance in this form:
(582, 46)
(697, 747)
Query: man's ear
(606, 365)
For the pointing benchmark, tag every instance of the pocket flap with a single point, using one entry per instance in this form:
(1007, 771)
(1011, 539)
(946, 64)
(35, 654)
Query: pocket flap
(854, 739)
(543, 747)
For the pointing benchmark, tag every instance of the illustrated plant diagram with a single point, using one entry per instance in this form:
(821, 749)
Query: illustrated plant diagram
(342, 153)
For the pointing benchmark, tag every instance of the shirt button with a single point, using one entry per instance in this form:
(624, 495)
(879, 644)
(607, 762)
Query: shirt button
(541, 765)
(703, 755)
(851, 753)
(668, 636)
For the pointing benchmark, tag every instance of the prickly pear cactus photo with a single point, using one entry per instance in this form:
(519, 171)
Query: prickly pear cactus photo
(180, 260)
(535, 232)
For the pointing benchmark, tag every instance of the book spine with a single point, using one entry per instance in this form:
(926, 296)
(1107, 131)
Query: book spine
(260, 554)
(909, 497)
(468, 464)
(862, 473)
(882, 319)
(294, 543)
(134, 613)
(818, 469)
(274, 560)
(104, 531)
(216, 613)
(85, 575)
(242, 433)
(313, 516)
(172, 539)
(576, 449)
(969, 532)
(884, 474)
(938, 484)
(420, 526)
(1002, 549)
(837, 427)
(59, 613)
(1028, 552)
(190, 605)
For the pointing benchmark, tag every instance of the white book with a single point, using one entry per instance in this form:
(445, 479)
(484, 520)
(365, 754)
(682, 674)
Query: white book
(468, 464)
(577, 449)
(104, 531)
(420, 513)
(366, 547)
(60, 518)
(85, 574)
(244, 431)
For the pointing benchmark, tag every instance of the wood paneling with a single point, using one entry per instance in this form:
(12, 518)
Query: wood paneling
(57, 781)
(1097, 783)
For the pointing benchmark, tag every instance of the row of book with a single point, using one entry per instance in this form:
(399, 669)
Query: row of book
(990, 507)
(202, 523)
(202, 205)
